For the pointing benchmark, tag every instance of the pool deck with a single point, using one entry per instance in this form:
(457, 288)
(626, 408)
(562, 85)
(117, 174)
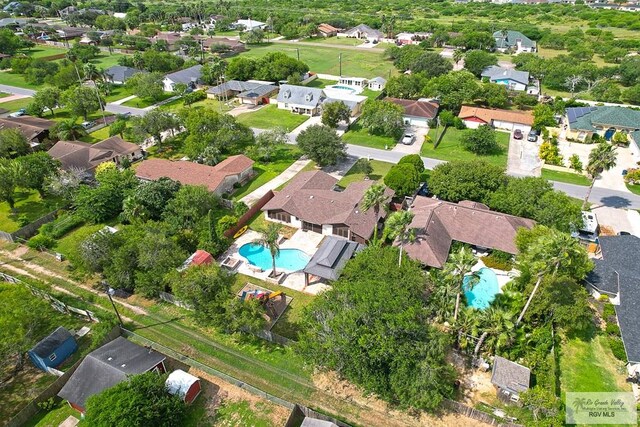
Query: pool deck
(503, 276)
(307, 242)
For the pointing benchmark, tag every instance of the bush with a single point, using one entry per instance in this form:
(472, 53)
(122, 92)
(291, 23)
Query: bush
(617, 348)
(403, 179)
(225, 223)
(608, 311)
(480, 141)
(61, 226)
(415, 160)
(604, 298)
(41, 242)
(498, 259)
(612, 329)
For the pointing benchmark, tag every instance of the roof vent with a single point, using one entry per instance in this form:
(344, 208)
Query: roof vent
(109, 358)
(124, 365)
(311, 197)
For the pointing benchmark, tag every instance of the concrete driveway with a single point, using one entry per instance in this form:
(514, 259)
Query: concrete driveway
(414, 148)
(523, 159)
(293, 135)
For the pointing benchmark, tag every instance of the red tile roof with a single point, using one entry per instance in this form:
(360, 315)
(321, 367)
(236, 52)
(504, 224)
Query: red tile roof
(487, 115)
(190, 173)
(426, 109)
(201, 257)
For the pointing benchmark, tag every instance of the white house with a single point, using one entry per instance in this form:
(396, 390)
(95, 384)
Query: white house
(356, 82)
(377, 83)
(191, 76)
(300, 99)
(249, 24)
(364, 32)
(512, 79)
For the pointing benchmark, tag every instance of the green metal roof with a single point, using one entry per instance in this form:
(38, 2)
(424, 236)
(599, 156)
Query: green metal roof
(511, 39)
(605, 117)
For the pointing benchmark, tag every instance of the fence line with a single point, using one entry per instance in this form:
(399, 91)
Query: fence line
(476, 414)
(55, 303)
(30, 229)
(244, 219)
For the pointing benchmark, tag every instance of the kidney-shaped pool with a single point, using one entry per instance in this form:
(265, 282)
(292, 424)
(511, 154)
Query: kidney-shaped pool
(287, 259)
(482, 294)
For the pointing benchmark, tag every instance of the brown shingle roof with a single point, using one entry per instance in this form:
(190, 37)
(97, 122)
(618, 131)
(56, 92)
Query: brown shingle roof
(487, 115)
(30, 127)
(84, 156)
(439, 223)
(190, 173)
(426, 109)
(310, 196)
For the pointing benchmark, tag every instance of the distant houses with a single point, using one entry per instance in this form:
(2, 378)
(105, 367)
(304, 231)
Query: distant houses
(192, 77)
(78, 155)
(513, 41)
(248, 24)
(250, 92)
(417, 113)
(218, 179)
(363, 32)
(326, 30)
(35, 129)
(119, 74)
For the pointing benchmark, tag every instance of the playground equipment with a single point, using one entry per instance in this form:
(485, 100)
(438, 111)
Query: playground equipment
(269, 300)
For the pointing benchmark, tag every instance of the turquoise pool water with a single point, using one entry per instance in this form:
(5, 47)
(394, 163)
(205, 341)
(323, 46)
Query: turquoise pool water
(484, 291)
(345, 88)
(288, 259)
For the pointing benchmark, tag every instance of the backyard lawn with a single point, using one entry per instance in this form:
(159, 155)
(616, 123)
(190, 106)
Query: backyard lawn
(450, 149)
(28, 207)
(178, 104)
(43, 51)
(17, 80)
(270, 117)
(380, 169)
(321, 83)
(171, 149)
(54, 417)
(359, 136)
(16, 104)
(105, 60)
(326, 60)
(145, 102)
(69, 244)
(118, 92)
(97, 136)
(265, 171)
(568, 177)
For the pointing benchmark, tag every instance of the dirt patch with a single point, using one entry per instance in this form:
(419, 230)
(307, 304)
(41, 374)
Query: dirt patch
(330, 383)
(217, 391)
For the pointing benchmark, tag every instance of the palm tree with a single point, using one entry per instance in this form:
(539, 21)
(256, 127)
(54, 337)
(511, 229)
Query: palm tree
(601, 158)
(546, 256)
(375, 198)
(70, 130)
(497, 326)
(466, 325)
(397, 227)
(270, 239)
(458, 54)
(91, 71)
(459, 265)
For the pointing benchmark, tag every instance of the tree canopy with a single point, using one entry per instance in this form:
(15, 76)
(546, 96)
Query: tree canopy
(322, 145)
(382, 118)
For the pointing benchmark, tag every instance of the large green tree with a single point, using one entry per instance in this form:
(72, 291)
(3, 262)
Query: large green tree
(374, 333)
(459, 180)
(82, 101)
(322, 145)
(48, 97)
(141, 400)
(335, 112)
(13, 143)
(382, 118)
(477, 60)
(37, 168)
(480, 141)
(146, 85)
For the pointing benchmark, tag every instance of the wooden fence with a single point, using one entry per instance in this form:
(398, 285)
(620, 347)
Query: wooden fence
(476, 414)
(244, 219)
(30, 229)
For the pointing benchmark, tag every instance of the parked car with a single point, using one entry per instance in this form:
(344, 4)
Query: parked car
(21, 112)
(624, 233)
(408, 138)
(517, 134)
(532, 136)
(88, 125)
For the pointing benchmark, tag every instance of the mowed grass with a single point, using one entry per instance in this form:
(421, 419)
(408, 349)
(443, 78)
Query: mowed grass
(271, 117)
(54, 417)
(43, 51)
(568, 177)
(589, 366)
(380, 169)
(97, 136)
(326, 60)
(17, 80)
(321, 83)
(17, 104)
(145, 102)
(265, 171)
(450, 148)
(634, 188)
(69, 244)
(340, 41)
(178, 104)
(357, 135)
(29, 206)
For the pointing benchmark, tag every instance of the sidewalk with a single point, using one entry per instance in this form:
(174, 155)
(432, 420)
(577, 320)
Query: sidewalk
(276, 182)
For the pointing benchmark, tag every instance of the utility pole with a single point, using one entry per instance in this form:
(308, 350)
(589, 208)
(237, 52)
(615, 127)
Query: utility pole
(201, 51)
(298, 53)
(110, 293)
(340, 56)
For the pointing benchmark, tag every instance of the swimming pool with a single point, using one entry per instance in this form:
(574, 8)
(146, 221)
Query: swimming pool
(343, 88)
(288, 259)
(484, 292)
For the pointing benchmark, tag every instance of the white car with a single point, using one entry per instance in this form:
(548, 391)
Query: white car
(408, 138)
(21, 112)
(88, 125)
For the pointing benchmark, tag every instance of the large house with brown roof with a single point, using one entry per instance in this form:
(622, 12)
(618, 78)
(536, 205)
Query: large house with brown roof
(417, 113)
(438, 224)
(86, 157)
(312, 202)
(474, 117)
(218, 179)
(35, 129)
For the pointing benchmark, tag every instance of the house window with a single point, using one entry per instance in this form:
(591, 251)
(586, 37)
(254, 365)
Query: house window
(53, 357)
(308, 226)
(280, 216)
(341, 231)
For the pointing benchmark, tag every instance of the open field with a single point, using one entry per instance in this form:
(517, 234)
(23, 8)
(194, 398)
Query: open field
(326, 60)
(360, 136)
(178, 104)
(17, 80)
(28, 207)
(568, 177)
(450, 148)
(270, 117)
(339, 41)
(17, 104)
(145, 102)
(265, 171)
(43, 51)
(380, 169)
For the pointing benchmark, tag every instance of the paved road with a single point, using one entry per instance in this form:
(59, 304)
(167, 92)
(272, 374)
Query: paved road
(122, 109)
(16, 90)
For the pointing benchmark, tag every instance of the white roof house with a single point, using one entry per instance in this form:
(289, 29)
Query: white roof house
(249, 24)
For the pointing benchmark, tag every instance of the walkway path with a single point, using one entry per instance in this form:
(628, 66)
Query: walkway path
(12, 98)
(123, 100)
(276, 182)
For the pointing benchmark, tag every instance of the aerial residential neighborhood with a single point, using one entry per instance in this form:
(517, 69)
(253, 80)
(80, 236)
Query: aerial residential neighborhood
(319, 214)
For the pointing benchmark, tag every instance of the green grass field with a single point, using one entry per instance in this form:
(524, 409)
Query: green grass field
(16, 80)
(97, 136)
(144, 102)
(178, 104)
(28, 207)
(380, 169)
(341, 41)
(270, 117)
(450, 149)
(265, 171)
(360, 136)
(16, 104)
(118, 92)
(54, 417)
(44, 51)
(321, 83)
(568, 177)
(326, 60)
(105, 60)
